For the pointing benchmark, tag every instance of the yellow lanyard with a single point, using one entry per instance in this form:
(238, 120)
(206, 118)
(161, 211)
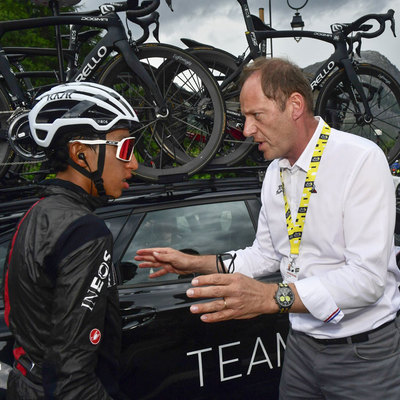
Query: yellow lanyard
(295, 231)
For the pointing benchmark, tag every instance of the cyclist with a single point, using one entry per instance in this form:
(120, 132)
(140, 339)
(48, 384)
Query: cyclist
(61, 298)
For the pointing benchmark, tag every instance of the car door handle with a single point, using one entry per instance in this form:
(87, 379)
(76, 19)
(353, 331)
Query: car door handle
(133, 317)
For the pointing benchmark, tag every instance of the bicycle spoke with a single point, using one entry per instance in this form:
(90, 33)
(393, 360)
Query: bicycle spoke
(342, 107)
(189, 134)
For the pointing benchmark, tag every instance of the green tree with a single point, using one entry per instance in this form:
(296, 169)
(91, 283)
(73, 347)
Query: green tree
(38, 37)
(43, 37)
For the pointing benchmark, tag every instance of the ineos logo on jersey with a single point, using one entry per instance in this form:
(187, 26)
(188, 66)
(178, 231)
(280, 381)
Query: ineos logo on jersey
(103, 270)
(97, 283)
(95, 336)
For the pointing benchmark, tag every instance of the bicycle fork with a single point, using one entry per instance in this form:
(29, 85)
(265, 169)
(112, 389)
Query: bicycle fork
(355, 82)
(136, 66)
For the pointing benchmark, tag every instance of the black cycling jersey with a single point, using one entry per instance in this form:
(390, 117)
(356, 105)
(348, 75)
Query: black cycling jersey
(61, 299)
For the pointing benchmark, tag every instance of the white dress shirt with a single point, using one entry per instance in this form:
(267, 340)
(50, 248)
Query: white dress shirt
(348, 278)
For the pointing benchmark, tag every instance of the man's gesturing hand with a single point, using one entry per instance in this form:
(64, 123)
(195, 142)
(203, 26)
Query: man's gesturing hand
(174, 261)
(237, 297)
(169, 260)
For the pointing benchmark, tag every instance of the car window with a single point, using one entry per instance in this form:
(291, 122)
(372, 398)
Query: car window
(115, 225)
(199, 229)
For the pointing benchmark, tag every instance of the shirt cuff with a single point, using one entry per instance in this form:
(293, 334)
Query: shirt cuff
(318, 300)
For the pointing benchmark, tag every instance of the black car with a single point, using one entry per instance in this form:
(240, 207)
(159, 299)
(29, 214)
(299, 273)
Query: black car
(168, 353)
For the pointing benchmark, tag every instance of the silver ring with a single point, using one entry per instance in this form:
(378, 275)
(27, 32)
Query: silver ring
(225, 304)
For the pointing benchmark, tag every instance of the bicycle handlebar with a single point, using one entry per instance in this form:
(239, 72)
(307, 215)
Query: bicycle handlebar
(144, 23)
(143, 15)
(132, 8)
(148, 7)
(362, 28)
(358, 25)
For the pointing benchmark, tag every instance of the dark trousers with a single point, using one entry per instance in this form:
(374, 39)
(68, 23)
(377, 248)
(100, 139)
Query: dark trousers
(369, 370)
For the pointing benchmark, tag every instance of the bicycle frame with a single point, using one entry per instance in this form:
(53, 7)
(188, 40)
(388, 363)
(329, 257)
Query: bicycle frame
(339, 58)
(115, 39)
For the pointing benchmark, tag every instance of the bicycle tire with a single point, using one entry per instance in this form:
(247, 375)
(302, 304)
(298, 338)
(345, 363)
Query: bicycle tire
(184, 142)
(6, 152)
(336, 105)
(234, 146)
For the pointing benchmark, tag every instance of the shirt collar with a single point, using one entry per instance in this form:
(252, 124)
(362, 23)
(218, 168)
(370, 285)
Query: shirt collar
(303, 162)
(57, 186)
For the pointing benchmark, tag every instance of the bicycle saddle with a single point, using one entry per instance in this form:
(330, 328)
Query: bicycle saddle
(61, 3)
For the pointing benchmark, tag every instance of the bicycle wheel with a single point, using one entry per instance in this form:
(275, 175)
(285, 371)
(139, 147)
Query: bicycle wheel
(6, 152)
(340, 106)
(187, 139)
(234, 146)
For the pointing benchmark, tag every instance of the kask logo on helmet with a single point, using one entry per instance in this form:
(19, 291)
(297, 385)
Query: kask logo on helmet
(59, 96)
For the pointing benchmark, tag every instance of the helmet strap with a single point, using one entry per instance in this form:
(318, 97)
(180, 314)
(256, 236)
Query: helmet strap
(94, 176)
(97, 179)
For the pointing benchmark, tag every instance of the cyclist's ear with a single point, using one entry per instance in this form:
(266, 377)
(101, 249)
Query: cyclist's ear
(77, 153)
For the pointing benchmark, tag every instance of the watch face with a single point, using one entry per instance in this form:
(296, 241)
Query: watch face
(284, 297)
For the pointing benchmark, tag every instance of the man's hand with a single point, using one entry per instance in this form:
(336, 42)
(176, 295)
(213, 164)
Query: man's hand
(174, 261)
(238, 297)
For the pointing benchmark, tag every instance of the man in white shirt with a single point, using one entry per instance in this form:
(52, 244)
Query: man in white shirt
(327, 223)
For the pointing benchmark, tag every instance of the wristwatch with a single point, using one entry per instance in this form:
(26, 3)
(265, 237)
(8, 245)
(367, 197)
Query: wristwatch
(284, 297)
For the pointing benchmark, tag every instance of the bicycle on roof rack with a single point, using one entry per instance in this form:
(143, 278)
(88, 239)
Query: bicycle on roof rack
(355, 97)
(174, 95)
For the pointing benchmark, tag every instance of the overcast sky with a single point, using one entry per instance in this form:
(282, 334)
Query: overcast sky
(220, 23)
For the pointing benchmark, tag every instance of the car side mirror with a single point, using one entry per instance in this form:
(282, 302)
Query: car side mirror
(128, 270)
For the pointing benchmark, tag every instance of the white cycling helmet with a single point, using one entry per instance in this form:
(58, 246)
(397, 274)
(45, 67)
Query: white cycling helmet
(78, 104)
(81, 109)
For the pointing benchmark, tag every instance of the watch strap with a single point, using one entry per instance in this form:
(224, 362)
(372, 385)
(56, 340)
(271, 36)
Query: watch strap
(283, 309)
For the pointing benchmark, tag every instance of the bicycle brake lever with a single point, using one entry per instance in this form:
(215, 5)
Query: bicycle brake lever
(358, 48)
(169, 4)
(355, 39)
(144, 23)
(349, 41)
(392, 26)
(156, 30)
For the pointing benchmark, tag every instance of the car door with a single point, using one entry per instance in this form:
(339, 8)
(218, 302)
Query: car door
(168, 353)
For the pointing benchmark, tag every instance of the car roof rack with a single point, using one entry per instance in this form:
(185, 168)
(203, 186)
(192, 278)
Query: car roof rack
(15, 198)
(208, 177)
(211, 173)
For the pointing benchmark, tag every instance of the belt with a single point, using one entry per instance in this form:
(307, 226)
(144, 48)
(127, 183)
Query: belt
(359, 338)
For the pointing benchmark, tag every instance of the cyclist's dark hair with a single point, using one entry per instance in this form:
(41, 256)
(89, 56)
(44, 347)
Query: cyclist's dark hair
(58, 154)
(280, 78)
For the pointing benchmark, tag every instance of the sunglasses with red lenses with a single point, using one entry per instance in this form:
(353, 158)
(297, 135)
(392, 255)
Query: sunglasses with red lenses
(125, 146)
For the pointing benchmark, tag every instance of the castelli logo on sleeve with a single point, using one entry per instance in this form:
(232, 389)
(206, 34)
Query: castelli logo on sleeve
(95, 336)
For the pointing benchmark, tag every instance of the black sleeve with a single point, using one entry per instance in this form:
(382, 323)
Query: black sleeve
(84, 294)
